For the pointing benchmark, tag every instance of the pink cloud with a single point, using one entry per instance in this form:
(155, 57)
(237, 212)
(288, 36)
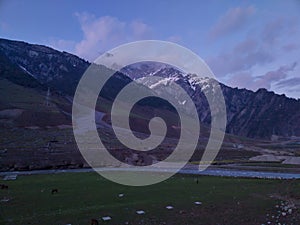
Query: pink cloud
(242, 79)
(99, 34)
(274, 76)
(103, 33)
(290, 47)
(246, 79)
(140, 30)
(246, 46)
(272, 30)
(61, 44)
(290, 83)
(259, 49)
(174, 38)
(243, 56)
(277, 28)
(233, 20)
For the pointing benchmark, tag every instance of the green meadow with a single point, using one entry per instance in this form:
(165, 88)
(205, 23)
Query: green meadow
(83, 196)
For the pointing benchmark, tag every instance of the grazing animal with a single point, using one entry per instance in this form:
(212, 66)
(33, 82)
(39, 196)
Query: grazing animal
(94, 222)
(54, 191)
(3, 186)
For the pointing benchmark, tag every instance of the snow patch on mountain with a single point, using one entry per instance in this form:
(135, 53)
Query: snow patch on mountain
(25, 70)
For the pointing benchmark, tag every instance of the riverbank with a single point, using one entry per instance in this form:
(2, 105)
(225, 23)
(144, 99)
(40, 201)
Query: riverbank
(189, 169)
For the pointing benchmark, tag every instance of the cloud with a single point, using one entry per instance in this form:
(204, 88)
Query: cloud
(174, 38)
(246, 46)
(290, 83)
(3, 26)
(103, 33)
(99, 34)
(290, 47)
(278, 76)
(263, 47)
(233, 20)
(243, 56)
(242, 79)
(274, 76)
(272, 30)
(275, 29)
(140, 30)
(61, 44)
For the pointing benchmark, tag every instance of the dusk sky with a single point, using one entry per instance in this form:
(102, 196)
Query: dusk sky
(247, 44)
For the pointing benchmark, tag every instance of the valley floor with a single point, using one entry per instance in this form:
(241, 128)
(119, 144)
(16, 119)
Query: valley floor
(83, 196)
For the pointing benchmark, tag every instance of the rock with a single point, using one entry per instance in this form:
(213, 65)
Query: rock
(106, 218)
(292, 160)
(140, 212)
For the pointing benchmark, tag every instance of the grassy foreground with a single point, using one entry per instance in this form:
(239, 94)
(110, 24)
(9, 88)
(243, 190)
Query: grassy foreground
(83, 196)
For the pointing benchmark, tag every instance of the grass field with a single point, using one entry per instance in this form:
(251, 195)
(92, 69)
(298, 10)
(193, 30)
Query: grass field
(83, 196)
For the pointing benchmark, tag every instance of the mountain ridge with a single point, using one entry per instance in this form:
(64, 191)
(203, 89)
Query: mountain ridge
(253, 114)
(258, 114)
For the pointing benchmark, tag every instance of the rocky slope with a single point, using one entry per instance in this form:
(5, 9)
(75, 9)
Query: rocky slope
(259, 114)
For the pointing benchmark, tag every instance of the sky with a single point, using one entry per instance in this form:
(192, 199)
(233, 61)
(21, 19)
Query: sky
(247, 44)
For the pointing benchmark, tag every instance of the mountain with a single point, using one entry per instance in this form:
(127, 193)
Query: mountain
(60, 71)
(23, 99)
(57, 70)
(29, 71)
(260, 114)
(36, 68)
(15, 74)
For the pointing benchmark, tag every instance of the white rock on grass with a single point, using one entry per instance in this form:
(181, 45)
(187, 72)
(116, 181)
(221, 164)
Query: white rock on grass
(5, 200)
(10, 177)
(198, 203)
(121, 195)
(140, 212)
(169, 207)
(106, 218)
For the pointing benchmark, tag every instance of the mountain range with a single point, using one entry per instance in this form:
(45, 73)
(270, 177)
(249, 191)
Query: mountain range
(32, 77)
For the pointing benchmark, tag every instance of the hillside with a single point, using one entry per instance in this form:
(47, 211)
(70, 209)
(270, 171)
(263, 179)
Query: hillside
(261, 114)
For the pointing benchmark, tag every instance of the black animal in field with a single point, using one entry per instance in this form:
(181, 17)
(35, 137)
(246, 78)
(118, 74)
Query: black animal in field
(94, 222)
(3, 186)
(53, 191)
